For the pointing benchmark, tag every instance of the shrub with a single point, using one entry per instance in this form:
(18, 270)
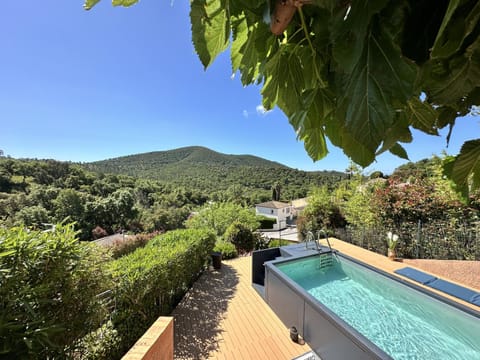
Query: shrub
(227, 249)
(241, 237)
(219, 216)
(48, 287)
(99, 344)
(151, 281)
(261, 242)
(99, 232)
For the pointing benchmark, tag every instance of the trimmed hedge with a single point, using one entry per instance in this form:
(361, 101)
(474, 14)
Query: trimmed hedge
(266, 222)
(152, 280)
(279, 242)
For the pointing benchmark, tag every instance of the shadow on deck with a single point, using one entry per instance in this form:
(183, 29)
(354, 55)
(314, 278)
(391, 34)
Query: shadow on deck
(199, 314)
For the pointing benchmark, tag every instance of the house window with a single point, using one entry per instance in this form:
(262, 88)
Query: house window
(271, 211)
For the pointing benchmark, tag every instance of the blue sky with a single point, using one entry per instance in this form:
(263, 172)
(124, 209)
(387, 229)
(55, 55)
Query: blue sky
(85, 86)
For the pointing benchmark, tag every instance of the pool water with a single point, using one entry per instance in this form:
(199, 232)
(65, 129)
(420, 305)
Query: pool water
(403, 322)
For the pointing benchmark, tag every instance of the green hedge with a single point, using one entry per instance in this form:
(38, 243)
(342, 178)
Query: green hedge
(152, 280)
(279, 242)
(266, 222)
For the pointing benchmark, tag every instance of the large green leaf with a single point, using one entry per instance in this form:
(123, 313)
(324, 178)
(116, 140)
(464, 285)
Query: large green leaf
(460, 20)
(274, 72)
(290, 94)
(448, 164)
(340, 137)
(309, 122)
(380, 79)
(467, 164)
(239, 38)
(210, 28)
(246, 54)
(399, 151)
(356, 150)
(449, 81)
(399, 132)
(422, 116)
(349, 31)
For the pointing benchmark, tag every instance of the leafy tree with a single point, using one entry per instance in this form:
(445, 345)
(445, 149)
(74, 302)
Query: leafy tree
(162, 219)
(359, 209)
(321, 212)
(276, 189)
(32, 216)
(362, 73)
(219, 216)
(44, 196)
(69, 205)
(240, 236)
(5, 180)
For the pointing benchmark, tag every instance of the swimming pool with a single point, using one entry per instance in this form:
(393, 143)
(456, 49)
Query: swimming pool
(367, 314)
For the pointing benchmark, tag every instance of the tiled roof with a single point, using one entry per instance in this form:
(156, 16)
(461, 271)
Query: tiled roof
(273, 205)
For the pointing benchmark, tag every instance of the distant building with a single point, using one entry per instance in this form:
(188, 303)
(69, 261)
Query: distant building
(111, 240)
(281, 212)
(298, 205)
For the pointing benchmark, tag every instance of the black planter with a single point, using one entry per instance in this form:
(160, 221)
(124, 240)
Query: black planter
(217, 260)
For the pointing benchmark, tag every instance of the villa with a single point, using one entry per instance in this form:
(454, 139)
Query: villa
(280, 211)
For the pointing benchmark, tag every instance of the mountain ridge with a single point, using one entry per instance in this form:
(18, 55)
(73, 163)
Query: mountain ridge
(189, 154)
(203, 169)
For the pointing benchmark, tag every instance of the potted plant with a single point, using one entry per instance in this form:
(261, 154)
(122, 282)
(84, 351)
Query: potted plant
(392, 241)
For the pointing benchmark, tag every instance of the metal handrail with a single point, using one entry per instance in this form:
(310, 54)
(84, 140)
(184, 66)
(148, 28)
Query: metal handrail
(309, 238)
(326, 237)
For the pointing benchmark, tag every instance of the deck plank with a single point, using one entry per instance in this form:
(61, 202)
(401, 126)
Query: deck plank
(223, 317)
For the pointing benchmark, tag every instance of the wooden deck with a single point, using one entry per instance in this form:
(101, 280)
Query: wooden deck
(223, 317)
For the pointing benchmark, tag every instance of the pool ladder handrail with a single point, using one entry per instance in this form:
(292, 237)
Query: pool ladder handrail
(321, 231)
(311, 237)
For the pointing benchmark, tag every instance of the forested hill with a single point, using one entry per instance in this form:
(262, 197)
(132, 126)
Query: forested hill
(149, 163)
(209, 171)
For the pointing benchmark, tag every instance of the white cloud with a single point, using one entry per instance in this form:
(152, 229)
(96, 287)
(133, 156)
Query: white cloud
(245, 114)
(262, 111)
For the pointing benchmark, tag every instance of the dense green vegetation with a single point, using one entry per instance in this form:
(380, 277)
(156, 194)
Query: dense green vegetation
(36, 192)
(152, 280)
(416, 202)
(65, 299)
(48, 287)
(241, 178)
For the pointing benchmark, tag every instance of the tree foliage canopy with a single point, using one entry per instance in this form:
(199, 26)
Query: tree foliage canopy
(362, 73)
